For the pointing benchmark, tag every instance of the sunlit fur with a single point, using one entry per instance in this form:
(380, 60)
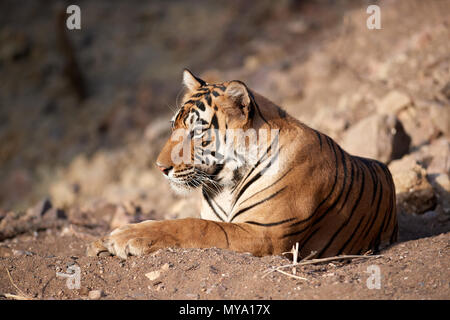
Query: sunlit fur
(321, 197)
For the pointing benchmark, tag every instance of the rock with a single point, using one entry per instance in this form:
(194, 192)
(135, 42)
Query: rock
(330, 122)
(165, 267)
(194, 296)
(440, 117)
(441, 184)
(393, 102)
(380, 137)
(425, 121)
(83, 291)
(95, 294)
(19, 253)
(153, 275)
(415, 195)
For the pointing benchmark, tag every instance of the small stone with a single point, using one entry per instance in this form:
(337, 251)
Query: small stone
(95, 294)
(165, 267)
(193, 296)
(153, 275)
(83, 291)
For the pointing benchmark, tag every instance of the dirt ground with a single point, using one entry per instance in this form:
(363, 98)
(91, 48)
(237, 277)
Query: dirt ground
(418, 268)
(94, 158)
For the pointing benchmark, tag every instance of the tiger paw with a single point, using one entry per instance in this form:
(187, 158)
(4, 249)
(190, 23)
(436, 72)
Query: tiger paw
(132, 239)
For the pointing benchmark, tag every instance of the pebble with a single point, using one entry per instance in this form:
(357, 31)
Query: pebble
(153, 275)
(95, 294)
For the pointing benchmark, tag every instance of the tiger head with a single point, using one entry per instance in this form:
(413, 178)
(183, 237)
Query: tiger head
(197, 153)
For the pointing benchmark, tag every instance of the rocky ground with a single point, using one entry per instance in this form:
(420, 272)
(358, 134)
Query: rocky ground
(80, 163)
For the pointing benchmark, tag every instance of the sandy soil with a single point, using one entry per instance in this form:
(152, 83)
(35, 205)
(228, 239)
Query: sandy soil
(412, 269)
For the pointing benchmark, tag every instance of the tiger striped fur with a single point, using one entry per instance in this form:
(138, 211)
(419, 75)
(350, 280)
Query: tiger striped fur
(320, 196)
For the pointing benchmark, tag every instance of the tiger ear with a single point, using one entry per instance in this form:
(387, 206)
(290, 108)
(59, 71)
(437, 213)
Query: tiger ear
(239, 95)
(192, 82)
(238, 92)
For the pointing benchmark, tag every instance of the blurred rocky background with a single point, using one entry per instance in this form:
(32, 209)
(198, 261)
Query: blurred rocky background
(84, 113)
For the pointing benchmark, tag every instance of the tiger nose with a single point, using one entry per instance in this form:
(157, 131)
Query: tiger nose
(164, 169)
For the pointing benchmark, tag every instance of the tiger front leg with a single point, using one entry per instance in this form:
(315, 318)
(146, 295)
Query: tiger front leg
(146, 237)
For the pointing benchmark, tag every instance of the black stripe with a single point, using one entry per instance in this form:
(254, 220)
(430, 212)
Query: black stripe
(257, 203)
(254, 167)
(224, 232)
(281, 113)
(200, 105)
(269, 224)
(363, 177)
(214, 122)
(218, 169)
(208, 99)
(267, 186)
(336, 201)
(320, 139)
(296, 232)
(348, 218)
(370, 221)
(220, 208)
(252, 180)
(252, 98)
(309, 237)
(377, 240)
(373, 174)
(388, 213)
(190, 102)
(179, 175)
(205, 196)
(376, 213)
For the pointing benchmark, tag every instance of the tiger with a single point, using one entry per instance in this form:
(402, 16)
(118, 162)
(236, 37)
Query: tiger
(320, 197)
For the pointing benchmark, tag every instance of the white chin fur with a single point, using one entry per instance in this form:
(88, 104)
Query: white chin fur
(180, 189)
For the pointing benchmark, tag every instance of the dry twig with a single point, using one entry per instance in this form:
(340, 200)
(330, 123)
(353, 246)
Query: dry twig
(20, 296)
(307, 261)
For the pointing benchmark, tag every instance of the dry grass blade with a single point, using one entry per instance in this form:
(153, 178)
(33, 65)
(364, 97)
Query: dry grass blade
(15, 296)
(344, 257)
(306, 261)
(20, 296)
(291, 275)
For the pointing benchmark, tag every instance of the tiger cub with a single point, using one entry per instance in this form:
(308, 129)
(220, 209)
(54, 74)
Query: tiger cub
(268, 181)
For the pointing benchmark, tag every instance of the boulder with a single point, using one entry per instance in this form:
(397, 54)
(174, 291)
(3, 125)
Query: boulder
(415, 195)
(425, 121)
(393, 102)
(379, 136)
(441, 185)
